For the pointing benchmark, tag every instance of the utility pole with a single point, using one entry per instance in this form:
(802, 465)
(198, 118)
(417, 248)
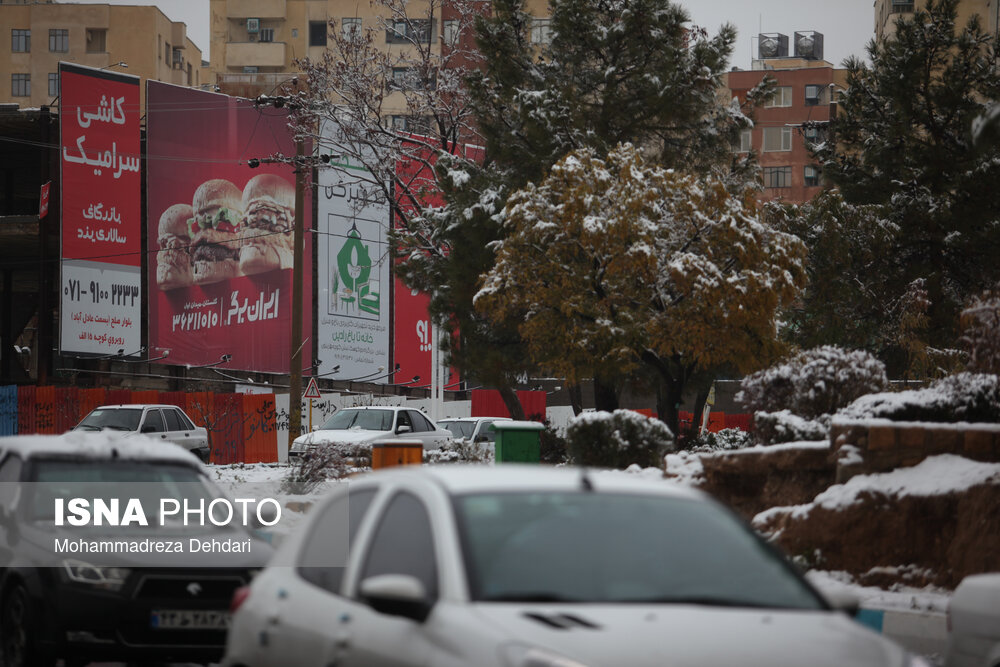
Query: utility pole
(295, 363)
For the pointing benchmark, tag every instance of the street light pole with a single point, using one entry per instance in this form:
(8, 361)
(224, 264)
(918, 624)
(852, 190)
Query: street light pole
(295, 367)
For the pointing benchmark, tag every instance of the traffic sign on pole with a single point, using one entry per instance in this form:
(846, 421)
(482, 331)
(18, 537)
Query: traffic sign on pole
(312, 390)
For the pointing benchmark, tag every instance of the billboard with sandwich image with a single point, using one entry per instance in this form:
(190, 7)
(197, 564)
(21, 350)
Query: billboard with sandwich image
(220, 233)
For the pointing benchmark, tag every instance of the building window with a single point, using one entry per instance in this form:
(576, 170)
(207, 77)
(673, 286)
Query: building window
(350, 28)
(541, 32)
(166, 52)
(409, 78)
(249, 69)
(813, 134)
(178, 59)
(20, 41)
(810, 175)
(777, 139)
(53, 84)
(814, 95)
(449, 30)
(405, 32)
(745, 144)
(20, 85)
(781, 97)
(59, 40)
(317, 33)
(267, 34)
(777, 177)
(159, 41)
(900, 6)
(97, 40)
(413, 124)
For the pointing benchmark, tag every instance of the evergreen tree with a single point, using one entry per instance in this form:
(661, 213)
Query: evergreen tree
(903, 142)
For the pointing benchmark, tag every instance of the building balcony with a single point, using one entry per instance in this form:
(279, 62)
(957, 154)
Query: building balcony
(255, 54)
(252, 85)
(260, 9)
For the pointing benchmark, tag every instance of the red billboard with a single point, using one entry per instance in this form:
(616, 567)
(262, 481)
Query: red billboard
(220, 233)
(101, 303)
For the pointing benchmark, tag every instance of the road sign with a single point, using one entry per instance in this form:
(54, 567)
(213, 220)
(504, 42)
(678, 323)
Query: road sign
(312, 389)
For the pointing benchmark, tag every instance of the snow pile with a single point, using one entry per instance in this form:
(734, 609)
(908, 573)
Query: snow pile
(936, 475)
(685, 468)
(968, 397)
(898, 597)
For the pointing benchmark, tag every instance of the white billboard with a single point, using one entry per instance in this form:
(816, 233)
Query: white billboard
(354, 274)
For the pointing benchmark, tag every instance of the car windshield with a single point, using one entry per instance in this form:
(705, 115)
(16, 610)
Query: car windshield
(459, 429)
(118, 419)
(369, 420)
(150, 481)
(621, 548)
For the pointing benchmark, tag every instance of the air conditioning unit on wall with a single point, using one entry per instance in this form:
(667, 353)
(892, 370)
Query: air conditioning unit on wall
(253, 25)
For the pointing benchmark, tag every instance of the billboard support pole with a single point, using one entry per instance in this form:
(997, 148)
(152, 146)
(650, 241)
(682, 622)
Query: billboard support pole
(295, 364)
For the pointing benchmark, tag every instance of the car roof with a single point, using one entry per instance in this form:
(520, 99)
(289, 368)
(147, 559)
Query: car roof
(471, 419)
(134, 406)
(458, 479)
(96, 446)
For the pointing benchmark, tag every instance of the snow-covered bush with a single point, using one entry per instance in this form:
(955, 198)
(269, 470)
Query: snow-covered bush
(783, 426)
(308, 471)
(460, 451)
(617, 440)
(553, 445)
(968, 397)
(981, 332)
(725, 440)
(813, 382)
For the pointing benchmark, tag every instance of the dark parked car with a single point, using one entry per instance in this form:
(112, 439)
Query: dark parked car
(70, 590)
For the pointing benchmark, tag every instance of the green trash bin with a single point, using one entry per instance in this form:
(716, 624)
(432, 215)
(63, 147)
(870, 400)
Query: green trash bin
(517, 441)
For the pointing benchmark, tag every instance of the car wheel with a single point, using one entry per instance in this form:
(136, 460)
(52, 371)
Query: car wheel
(18, 630)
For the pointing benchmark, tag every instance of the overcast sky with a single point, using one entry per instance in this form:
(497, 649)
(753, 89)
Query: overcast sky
(847, 25)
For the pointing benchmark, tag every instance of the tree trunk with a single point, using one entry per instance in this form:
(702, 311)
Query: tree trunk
(513, 403)
(605, 396)
(576, 398)
(699, 410)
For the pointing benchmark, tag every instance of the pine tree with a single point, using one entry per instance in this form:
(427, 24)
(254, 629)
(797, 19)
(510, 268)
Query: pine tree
(903, 142)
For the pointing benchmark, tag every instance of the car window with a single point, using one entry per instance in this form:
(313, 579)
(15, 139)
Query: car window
(316, 559)
(118, 419)
(186, 423)
(10, 471)
(485, 430)
(403, 543)
(612, 548)
(371, 420)
(172, 420)
(403, 419)
(420, 423)
(153, 423)
(459, 429)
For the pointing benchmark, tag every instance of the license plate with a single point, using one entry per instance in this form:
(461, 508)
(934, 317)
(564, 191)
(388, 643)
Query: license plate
(184, 619)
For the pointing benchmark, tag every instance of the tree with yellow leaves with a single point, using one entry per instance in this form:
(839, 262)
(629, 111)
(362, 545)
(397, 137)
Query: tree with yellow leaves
(615, 264)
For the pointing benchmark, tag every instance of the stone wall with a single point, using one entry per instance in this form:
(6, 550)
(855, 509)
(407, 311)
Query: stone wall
(880, 445)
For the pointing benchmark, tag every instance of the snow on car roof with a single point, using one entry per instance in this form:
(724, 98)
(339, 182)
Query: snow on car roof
(459, 479)
(471, 419)
(102, 445)
(137, 406)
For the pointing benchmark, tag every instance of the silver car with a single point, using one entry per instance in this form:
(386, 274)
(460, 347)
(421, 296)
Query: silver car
(163, 422)
(369, 424)
(527, 566)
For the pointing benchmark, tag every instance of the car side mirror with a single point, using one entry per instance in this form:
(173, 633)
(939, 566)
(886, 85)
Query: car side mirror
(397, 595)
(403, 429)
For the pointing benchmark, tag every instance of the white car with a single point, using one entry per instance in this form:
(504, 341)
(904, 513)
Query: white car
(472, 429)
(529, 566)
(160, 422)
(365, 425)
(974, 620)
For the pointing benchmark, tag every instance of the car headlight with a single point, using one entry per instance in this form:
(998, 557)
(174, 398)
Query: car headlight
(105, 578)
(522, 655)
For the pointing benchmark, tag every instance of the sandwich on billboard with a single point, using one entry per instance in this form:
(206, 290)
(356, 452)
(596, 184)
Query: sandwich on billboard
(101, 275)
(220, 233)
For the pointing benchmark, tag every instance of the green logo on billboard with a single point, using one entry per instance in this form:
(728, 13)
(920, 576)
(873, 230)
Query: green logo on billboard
(354, 268)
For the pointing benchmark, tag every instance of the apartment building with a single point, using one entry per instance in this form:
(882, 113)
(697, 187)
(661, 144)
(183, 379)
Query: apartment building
(887, 11)
(44, 33)
(803, 101)
(254, 42)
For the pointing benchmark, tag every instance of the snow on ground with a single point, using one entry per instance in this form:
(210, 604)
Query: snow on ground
(899, 598)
